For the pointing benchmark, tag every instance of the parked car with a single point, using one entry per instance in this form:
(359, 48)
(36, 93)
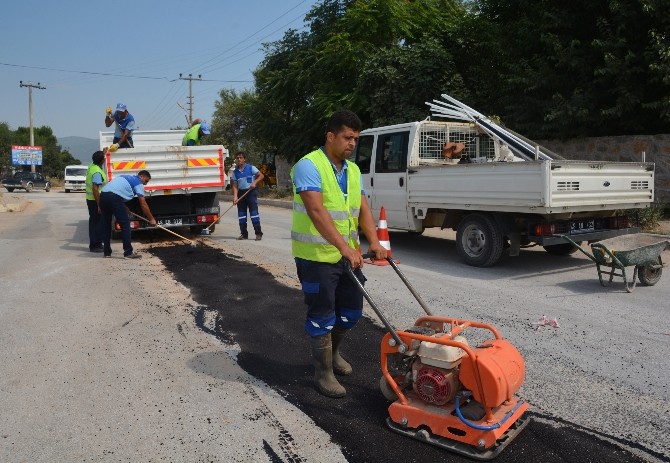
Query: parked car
(26, 181)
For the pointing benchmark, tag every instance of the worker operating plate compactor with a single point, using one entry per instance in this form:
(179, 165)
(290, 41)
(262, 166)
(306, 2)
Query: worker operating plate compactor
(446, 392)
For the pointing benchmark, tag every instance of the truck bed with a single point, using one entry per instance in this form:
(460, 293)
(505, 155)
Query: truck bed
(538, 187)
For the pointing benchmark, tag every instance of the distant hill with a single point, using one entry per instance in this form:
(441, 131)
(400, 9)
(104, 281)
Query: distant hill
(80, 147)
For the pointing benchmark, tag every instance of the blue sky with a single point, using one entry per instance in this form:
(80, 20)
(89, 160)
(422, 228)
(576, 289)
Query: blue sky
(90, 54)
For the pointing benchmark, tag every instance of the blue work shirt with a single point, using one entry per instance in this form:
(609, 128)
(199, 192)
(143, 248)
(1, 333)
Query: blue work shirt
(306, 176)
(244, 177)
(124, 124)
(126, 186)
(96, 179)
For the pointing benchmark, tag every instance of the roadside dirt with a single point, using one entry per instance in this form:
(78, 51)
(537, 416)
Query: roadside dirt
(663, 228)
(265, 318)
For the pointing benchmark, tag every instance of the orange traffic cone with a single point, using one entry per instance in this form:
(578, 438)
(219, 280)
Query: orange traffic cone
(384, 240)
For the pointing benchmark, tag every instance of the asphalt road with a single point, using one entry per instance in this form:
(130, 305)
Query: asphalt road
(597, 384)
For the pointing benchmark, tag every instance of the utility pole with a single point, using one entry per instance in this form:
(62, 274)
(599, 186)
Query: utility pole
(30, 86)
(190, 79)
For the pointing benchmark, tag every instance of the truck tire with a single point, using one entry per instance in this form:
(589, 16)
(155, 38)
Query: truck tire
(479, 240)
(29, 187)
(9, 189)
(67, 191)
(563, 249)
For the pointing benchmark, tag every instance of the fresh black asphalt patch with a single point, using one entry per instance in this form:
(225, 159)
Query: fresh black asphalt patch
(266, 318)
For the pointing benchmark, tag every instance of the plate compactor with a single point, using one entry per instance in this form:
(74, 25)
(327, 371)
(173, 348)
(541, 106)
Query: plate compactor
(446, 392)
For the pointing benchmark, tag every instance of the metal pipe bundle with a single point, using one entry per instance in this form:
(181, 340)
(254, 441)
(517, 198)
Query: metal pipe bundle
(454, 109)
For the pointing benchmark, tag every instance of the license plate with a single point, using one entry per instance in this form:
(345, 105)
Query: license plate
(164, 222)
(582, 226)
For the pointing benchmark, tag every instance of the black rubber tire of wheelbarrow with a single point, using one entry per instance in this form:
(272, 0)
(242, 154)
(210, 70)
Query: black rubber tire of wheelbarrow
(648, 275)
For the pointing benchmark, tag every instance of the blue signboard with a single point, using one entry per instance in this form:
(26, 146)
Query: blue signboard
(27, 155)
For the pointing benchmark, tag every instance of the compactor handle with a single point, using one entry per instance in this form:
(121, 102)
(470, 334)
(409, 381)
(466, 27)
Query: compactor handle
(416, 295)
(402, 347)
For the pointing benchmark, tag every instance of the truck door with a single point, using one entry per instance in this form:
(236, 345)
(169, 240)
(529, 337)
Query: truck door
(362, 156)
(389, 178)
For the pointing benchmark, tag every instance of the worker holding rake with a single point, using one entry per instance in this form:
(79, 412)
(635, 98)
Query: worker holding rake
(329, 206)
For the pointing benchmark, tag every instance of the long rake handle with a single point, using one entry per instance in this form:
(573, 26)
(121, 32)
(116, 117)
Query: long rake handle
(231, 206)
(163, 228)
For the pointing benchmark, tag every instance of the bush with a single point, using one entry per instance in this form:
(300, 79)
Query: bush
(649, 219)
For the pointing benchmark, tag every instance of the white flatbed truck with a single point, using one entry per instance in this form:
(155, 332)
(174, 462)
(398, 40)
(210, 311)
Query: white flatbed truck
(492, 204)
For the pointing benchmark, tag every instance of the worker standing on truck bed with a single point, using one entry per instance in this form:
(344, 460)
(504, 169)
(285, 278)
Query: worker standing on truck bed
(245, 178)
(125, 124)
(194, 135)
(329, 205)
(95, 180)
(113, 199)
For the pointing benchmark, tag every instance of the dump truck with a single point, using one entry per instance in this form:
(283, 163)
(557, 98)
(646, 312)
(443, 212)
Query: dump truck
(185, 180)
(495, 188)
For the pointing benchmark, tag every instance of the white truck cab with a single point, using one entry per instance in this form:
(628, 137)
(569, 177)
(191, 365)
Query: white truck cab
(75, 178)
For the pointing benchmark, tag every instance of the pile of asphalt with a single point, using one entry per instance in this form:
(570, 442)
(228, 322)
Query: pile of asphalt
(266, 319)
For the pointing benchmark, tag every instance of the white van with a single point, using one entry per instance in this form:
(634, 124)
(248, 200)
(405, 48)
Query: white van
(75, 178)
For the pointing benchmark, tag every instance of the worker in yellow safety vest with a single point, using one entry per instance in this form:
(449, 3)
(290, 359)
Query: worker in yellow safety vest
(329, 206)
(95, 180)
(195, 134)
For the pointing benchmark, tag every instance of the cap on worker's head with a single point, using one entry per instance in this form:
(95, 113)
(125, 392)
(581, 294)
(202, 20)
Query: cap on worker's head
(98, 157)
(204, 126)
(120, 107)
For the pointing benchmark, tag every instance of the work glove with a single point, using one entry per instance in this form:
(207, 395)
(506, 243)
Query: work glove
(113, 147)
(108, 110)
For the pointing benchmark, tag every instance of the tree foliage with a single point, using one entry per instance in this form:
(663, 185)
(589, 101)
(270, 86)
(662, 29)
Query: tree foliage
(572, 69)
(547, 69)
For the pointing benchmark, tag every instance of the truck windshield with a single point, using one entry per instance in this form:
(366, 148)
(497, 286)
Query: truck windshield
(76, 171)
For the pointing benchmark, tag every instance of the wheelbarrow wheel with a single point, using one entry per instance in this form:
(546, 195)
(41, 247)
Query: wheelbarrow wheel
(650, 274)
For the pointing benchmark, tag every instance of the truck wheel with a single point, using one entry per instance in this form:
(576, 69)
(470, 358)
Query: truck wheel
(563, 249)
(29, 187)
(479, 240)
(47, 187)
(10, 189)
(648, 275)
(67, 191)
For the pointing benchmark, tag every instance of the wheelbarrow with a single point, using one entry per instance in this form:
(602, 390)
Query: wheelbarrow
(612, 256)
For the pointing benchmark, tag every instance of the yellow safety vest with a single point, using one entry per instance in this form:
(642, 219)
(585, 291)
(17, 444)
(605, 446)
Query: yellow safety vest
(306, 242)
(192, 134)
(92, 169)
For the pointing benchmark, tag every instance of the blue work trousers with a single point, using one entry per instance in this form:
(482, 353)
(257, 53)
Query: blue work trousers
(112, 204)
(94, 221)
(249, 202)
(332, 297)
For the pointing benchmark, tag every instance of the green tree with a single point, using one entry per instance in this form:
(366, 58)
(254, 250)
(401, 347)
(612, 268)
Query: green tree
(569, 69)
(546, 69)
(233, 126)
(378, 58)
(6, 135)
